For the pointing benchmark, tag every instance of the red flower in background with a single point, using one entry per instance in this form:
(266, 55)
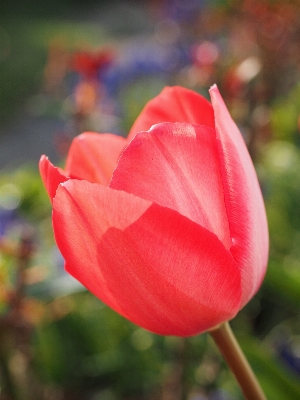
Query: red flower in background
(175, 237)
(89, 64)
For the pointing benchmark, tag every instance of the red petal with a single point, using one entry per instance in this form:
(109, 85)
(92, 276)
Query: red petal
(243, 199)
(177, 166)
(174, 104)
(51, 176)
(152, 265)
(94, 156)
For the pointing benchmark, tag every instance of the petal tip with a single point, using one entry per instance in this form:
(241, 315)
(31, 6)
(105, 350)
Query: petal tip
(43, 159)
(214, 89)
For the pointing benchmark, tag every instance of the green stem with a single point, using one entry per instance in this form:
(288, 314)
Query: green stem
(237, 362)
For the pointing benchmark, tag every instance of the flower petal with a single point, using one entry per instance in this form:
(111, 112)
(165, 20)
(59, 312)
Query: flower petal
(174, 104)
(177, 166)
(51, 176)
(149, 263)
(94, 156)
(243, 199)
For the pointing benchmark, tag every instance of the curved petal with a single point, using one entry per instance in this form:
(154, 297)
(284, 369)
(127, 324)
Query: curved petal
(177, 166)
(174, 104)
(152, 265)
(94, 156)
(243, 199)
(51, 176)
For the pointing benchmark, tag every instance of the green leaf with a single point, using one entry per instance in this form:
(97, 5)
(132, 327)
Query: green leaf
(276, 380)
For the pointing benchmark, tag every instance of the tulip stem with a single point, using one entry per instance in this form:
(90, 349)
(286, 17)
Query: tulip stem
(237, 362)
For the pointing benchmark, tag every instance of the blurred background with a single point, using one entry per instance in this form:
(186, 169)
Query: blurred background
(69, 66)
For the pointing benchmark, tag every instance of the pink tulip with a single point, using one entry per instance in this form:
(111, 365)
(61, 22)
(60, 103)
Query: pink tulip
(168, 229)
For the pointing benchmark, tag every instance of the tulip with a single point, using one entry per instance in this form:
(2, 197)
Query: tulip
(168, 226)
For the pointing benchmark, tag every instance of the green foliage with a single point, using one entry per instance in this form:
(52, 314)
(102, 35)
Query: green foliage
(23, 53)
(26, 184)
(134, 96)
(277, 382)
(95, 347)
(281, 166)
(285, 116)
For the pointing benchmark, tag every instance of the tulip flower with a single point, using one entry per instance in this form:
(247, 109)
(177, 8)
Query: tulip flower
(168, 226)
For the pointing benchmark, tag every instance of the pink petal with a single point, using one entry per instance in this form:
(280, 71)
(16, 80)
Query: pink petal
(243, 199)
(149, 263)
(51, 176)
(174, 104)
(94, 156)
(177, 166)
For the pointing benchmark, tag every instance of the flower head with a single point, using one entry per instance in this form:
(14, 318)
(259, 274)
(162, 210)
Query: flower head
(167, 227)
(89, 64)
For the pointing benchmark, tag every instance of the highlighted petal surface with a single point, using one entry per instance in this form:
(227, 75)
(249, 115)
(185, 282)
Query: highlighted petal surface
(174, 104)
(151, 264)
(243, 199)
(177, 166)
(94, 156)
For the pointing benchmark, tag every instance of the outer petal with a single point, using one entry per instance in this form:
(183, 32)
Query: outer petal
(177, 166)
(94, 156)
(51, 176)
(243, 199)
(174, 104)
(152, 265)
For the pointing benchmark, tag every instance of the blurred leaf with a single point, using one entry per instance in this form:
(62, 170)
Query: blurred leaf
(134, 96)
(72, 34)
(48, 351)
(284, 283)
(277, 382)
(285, 114)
